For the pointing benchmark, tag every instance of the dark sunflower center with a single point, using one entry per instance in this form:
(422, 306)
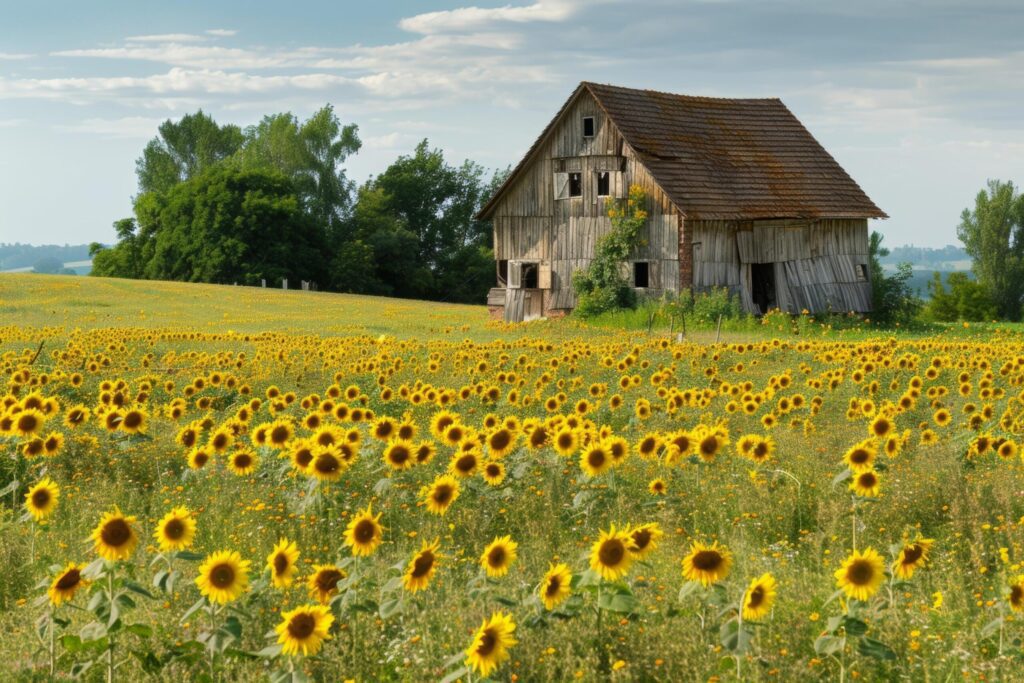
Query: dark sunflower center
(859, 456)
(641, 538)
(488, 641)
(868, 480)
(116, 532)
(280, 563)
(328, 579)
(912, 553)
(596, 458)
(565, 440)
(442, 494)
(222, 576)
(760, 450)
(500, 440)
(201, 458)
(325, 439)
(133, 419)
(707, 560)
(466, 463)
(681, 442)
(279, 434)
(326, 463)
(611, 553)
(399, 455)
(554, 585)
(365, 531)
(709, 446)
(220, 440)
(242, 460)
(303, 457)
(538, 437)
(174, 529)
(496, 558)
(647, 446)
(1017, 595)
(188, 439)
(422, 564)
(756, 597)
(493, 470)
(41, 498)
(860, 573)
(28, 423)
(69, 580)
(301, 626)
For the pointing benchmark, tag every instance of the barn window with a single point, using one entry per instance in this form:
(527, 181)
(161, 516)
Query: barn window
(862, 272)
(588, 126)
(529, 276)
(575, 185)
(641, 274)
(502, 271)
(603, 183)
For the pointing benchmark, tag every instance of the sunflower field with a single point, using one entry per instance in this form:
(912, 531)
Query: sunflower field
(224, 484)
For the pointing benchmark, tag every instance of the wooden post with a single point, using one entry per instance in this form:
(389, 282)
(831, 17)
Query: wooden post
(718, 332)
(284, 283)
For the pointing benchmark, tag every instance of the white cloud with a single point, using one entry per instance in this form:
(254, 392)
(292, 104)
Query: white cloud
(167, 38)
(221, 32)
(469, 18)
(14, 56)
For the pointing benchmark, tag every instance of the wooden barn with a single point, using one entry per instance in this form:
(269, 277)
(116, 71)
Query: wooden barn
(740, 196)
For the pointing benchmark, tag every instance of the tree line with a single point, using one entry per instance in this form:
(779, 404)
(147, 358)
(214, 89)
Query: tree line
(221, 204)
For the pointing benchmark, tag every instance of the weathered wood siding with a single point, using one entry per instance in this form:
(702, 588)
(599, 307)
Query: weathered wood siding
(531, 224)
(820, 265)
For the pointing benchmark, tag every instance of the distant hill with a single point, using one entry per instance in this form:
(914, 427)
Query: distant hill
(949, 257)
(74, 257)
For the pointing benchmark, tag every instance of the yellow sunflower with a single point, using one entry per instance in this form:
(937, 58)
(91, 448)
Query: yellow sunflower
(490, 644)
(861, 574)
(866, 484)
(707, 564)
(223, 576)
(325, 462)
(440, 495)
(66, 584)
(304, 629)
(364, 533)
(498, 556)
(595, 460)
(41, 499)
(494, 473)
(556, 586)
(645, 538)
(421, 567)
(175, 530)
(243, 462)
(860, 457)
(759, 598)
(281, 563)
(611, 554)
(399, 455)
(912, 557)
(501, 442)
(323, 582)
(114, 538)
(657, 487)
(1016, 597)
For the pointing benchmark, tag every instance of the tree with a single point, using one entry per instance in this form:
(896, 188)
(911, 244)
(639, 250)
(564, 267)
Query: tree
(184, 149)
(993, 236)
(892, 299)
(965, 299)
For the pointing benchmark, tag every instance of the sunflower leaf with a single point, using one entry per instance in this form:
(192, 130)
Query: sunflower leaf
(869, 647)
(189, 556)
(827, 645)
(457, 674)
(688, 589)
(199, 604)
(136, 588)
(270, 651)
(841, 477)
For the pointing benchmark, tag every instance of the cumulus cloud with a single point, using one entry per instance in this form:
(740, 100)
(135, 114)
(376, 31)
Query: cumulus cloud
(470, 18)
(221, 32)
(14, 56)
(166, 38)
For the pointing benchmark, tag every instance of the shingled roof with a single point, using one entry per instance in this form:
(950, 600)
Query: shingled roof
(726, 159)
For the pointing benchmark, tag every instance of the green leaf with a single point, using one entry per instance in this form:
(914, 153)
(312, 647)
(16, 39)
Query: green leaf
(869, 647)
(71, 643)
(93, 631)
(841, 477)
(140, 630)
(189, 556)
(199, 604)
(390, 607)
(623, 603)
(734, 637)
(270, 651)
(855, 627)
(827, 645)
(136, 588)
(457, 674)
(688, 589)
(991, 627)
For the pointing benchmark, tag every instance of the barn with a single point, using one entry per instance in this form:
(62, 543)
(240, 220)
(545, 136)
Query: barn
(740, 196)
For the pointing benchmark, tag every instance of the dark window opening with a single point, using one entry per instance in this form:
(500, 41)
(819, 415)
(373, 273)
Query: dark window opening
(762, 286)
(575, 185)
(603, 182)
(529, 276)
(502, 271)
(641, 274)
(588, 126)
(862, 272)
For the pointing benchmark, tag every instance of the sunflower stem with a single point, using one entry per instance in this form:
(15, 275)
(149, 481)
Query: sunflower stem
(53, 643)
(110, 602)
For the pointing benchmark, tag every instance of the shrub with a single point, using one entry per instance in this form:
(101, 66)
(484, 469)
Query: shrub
(966, 299)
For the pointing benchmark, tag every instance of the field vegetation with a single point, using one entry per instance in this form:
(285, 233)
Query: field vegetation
(230, 483)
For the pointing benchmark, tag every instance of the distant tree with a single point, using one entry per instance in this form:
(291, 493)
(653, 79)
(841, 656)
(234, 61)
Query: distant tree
(892, 299)
(183, 149)
(965, 299)
(993, 235)
(48, 265)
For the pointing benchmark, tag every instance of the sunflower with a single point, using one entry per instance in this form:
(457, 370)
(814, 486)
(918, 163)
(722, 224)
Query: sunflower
(27, 422)
(490, 644)
(762, 449)
(645, 538)
(611, 554)
(866, 484)
(424, 452)
(41, 499)
(595, 460)
(556, 586)
(197, 458)
(499, 556)
(114, 538)
(325, 462)
(494, 473)
(421, 567)
(464, 464)
(912, 557)
(880, 427)
(399, 455)
(364, 533)
(243, 462)
(281, 562)
(440, 495)
(860, 457)
(565, 441)
(500, 442)
(66, 583)
(861, 574)
(323, 582)
(1016, 597)
(278, 433)
(759, 598)
(223, 576)
(706, 563)
(657, 487)
(134, 421)
(176, 530)
(304, 629)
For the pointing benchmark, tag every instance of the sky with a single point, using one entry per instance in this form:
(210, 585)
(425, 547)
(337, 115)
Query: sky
(920, 101)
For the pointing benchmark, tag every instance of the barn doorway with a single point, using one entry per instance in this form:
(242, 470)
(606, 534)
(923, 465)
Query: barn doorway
(762, 286)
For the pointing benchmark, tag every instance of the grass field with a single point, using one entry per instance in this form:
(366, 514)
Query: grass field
(779, 506)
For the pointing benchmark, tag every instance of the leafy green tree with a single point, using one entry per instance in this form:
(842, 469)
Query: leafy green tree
(993, 236)
(184, 149)
(892, 299)
(964, 300)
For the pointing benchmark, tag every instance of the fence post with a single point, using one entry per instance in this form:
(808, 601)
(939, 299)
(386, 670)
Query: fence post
(284, 283)
(718, 332)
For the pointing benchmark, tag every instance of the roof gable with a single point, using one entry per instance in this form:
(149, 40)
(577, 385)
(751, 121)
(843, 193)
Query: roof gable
(723, 159)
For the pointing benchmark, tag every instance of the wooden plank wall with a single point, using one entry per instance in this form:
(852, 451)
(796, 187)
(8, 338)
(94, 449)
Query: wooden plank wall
(819, 264)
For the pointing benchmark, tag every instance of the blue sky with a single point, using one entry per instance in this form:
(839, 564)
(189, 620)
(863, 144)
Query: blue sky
(920, 101)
